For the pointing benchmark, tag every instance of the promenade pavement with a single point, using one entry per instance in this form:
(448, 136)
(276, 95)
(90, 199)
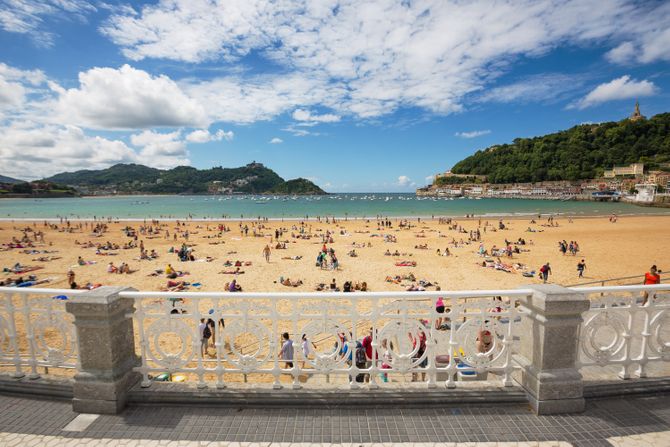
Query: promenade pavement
(629, 422)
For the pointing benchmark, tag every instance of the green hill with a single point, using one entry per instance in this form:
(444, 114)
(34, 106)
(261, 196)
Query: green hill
(9, 180)
(582, 152)
(253, 178)
(299, 186)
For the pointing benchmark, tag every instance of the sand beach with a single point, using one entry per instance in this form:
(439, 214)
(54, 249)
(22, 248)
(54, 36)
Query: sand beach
(610, 250)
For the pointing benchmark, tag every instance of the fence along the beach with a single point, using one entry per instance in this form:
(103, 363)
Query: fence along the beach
(527, 328)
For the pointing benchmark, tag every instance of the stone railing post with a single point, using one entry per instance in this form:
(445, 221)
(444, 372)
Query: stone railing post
(106, 350)
(548, 349)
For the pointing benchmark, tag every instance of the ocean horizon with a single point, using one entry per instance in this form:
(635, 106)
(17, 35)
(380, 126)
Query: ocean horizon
(344, 205)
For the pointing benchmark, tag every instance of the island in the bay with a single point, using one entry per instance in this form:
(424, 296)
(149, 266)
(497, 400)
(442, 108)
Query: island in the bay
(254, 178)
(627, 160)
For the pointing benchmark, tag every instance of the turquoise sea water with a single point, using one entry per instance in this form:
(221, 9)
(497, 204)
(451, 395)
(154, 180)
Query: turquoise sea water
(341, 205)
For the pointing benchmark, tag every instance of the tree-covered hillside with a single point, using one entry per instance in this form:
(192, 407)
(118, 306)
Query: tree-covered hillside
(581, 152)
(253, 178)
(297, 186)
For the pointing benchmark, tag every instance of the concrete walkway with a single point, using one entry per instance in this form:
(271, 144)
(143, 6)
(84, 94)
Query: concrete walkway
(633, 421)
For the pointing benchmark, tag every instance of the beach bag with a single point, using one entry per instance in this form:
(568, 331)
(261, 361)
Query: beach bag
(207, 332)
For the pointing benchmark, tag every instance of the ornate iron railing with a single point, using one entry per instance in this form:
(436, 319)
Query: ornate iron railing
(476, 336)
(36, 331)
(627, 326)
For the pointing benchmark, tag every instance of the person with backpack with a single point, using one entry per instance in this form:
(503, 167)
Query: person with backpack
(361, 361)
(545, 271)
(205, 333)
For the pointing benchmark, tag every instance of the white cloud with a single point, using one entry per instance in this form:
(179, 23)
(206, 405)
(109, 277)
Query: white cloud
(16, 84)
(28, 16)
(258, 98)
(620, 88)
(472, 134)
(276, 140)
(342, 56)
(547, 87)
(161, 150)
(647, 37)
(306, 115)
(127, 98)
(429, 179)
(203, 136)
(403, 180)
(622, 54)
(30, 150)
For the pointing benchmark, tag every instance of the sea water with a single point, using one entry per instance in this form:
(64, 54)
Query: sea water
(359, 205)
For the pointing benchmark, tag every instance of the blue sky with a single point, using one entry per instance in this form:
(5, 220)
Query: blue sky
(357, 96)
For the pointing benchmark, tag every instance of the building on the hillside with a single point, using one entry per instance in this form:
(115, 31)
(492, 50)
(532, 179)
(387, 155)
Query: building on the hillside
(659, 178)
(636, 169)
(637, 116)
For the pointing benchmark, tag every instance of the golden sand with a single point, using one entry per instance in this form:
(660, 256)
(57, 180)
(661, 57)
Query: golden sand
(611, 250)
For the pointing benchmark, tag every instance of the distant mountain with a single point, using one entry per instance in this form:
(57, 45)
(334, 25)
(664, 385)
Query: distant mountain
(253, 178)
(5, 179)
(582, 152)
(297, 186)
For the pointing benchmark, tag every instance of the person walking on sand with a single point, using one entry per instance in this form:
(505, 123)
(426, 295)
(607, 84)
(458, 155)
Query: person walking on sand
(266, 253)
(581, 266)
(652, 277)
(545, 271)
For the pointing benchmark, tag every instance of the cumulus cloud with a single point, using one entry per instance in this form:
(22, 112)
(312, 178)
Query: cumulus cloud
(342, 56)
(204, 136)
(30, 150)
(429, 179)
(276, 140)
(403, 180)
(161, 150)
(620, 88)
(306, 115)
(15, 84)
(472, 134)
(127, 98)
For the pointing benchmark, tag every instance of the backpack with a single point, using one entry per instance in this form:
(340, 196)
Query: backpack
(207, 332)
(360, 354)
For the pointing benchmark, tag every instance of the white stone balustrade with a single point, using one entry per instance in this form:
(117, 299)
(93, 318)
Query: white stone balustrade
(623, 328)
(250, 340)
(540, 338)
(36, 331)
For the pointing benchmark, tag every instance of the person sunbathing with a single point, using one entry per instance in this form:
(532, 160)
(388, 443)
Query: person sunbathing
(287, 282)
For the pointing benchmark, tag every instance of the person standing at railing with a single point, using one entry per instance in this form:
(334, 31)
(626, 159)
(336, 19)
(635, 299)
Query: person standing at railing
(204, 333)
(286, 353)
(439, 308)
(652, 277)
(367, 346)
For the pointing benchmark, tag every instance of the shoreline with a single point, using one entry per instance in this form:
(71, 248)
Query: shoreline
(313, 219)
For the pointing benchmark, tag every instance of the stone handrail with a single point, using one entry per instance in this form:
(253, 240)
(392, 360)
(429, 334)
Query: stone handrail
(540, 337)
